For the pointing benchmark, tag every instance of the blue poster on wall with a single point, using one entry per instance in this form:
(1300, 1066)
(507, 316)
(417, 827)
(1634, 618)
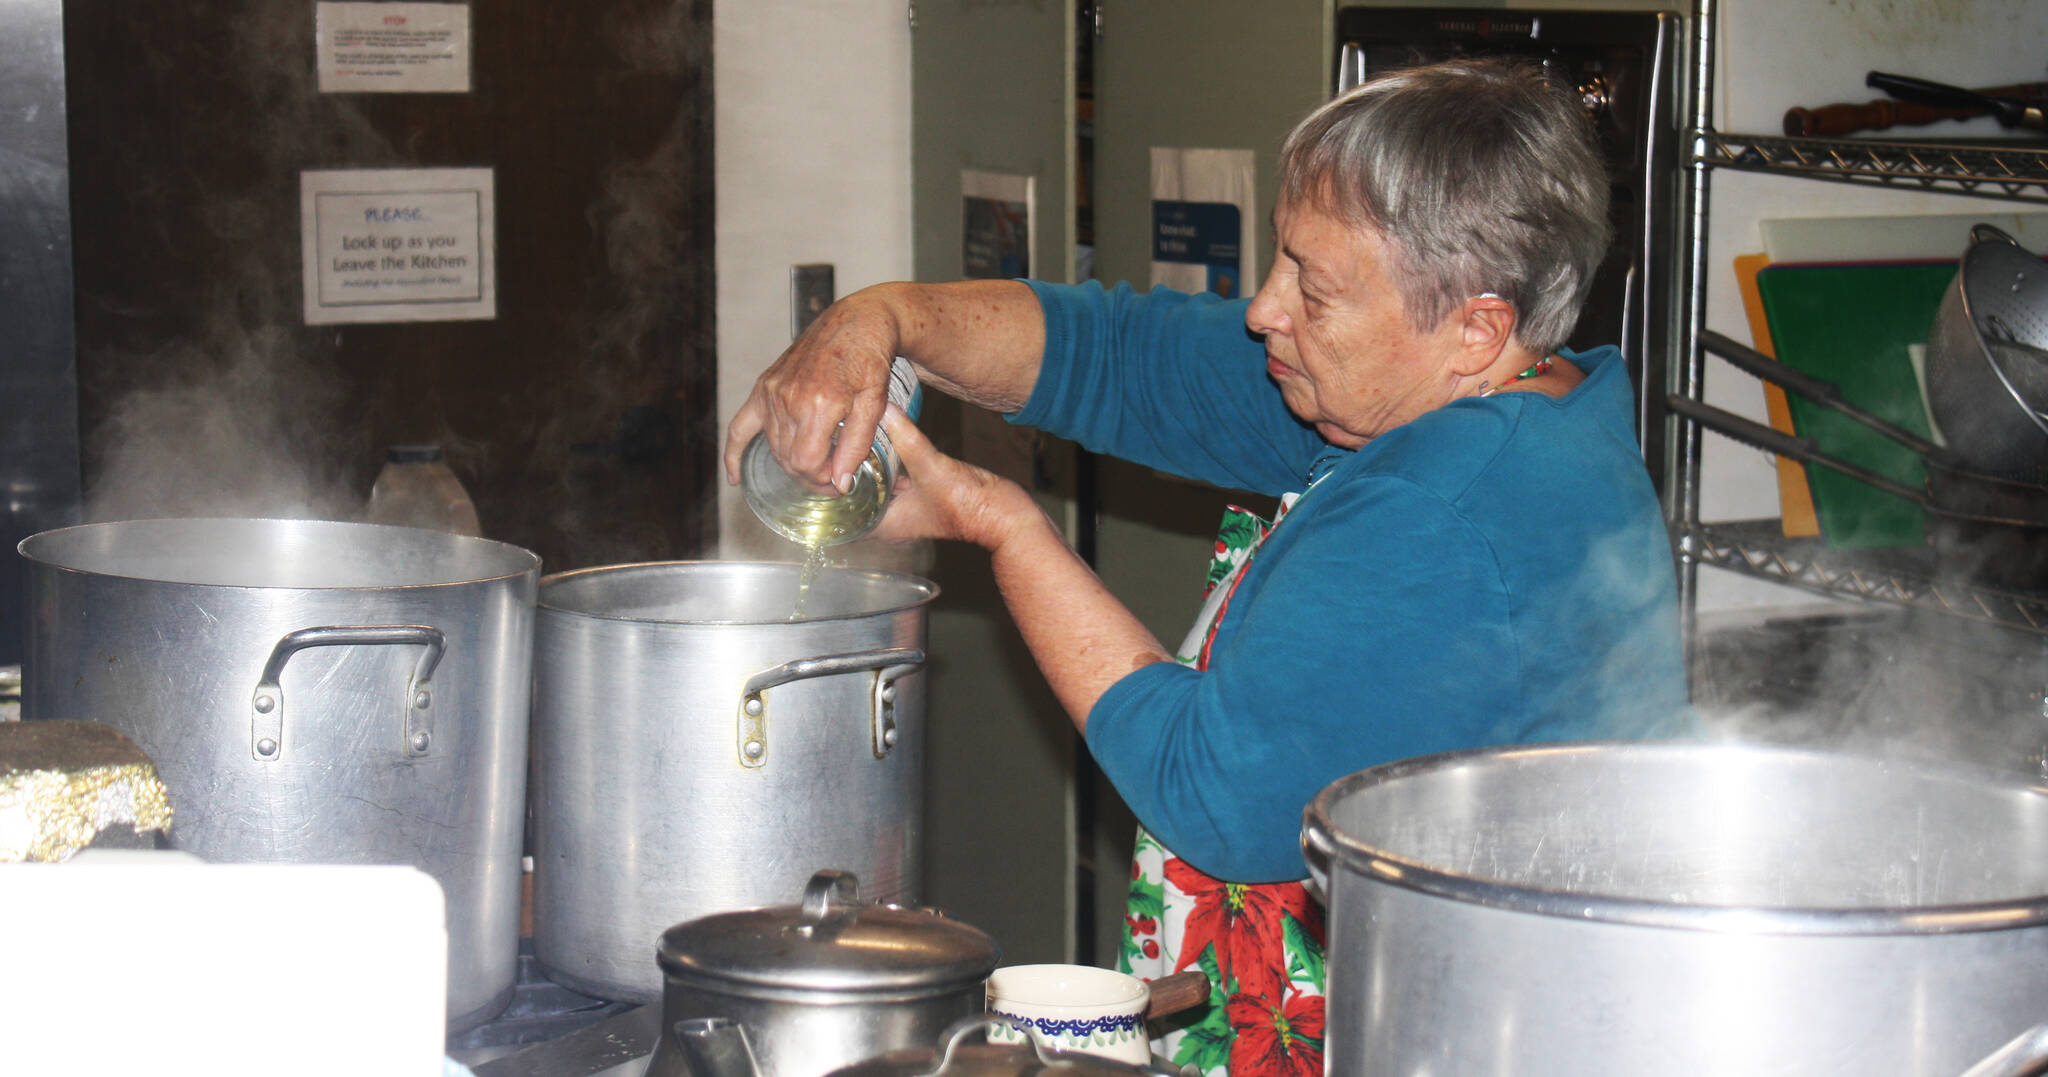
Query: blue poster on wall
(1203, 236)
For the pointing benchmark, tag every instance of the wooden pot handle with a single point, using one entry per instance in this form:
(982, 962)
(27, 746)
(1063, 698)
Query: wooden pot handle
(1180, 991)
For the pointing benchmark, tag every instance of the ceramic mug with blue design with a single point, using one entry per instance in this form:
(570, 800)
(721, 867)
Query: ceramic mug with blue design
(1073, 1008)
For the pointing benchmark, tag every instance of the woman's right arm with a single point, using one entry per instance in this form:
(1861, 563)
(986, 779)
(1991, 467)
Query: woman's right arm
(980, 341)
(1083, 638)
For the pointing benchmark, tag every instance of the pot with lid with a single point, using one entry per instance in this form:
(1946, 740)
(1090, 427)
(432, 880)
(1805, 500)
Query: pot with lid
(801, 990)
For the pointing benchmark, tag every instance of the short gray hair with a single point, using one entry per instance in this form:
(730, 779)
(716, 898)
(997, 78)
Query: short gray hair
(1484, 176)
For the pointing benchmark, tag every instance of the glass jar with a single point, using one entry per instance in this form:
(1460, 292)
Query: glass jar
(796, 511)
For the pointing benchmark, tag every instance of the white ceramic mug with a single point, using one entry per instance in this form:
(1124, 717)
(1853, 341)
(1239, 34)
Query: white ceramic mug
(1073, 1008)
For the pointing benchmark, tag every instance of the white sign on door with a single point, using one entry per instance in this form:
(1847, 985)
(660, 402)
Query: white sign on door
(398, 245)
(392, 47)
(999, 224)
(1203, 213)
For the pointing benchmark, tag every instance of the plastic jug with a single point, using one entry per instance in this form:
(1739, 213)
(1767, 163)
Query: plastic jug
(418, 489)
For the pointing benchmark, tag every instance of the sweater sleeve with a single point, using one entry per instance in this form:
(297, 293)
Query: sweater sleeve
(1382, 633)
(1167, 380)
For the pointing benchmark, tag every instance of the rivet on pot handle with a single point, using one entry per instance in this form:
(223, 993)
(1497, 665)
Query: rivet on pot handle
(266, 726)
(888, 664)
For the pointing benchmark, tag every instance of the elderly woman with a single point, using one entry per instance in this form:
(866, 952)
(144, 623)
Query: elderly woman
(1468, 551)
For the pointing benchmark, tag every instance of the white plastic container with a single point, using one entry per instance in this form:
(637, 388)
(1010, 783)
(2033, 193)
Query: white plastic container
(418, 489)
(130, 961)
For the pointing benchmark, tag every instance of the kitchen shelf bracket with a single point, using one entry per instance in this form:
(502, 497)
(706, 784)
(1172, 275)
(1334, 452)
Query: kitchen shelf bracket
(2008, 172)
(1757, 548)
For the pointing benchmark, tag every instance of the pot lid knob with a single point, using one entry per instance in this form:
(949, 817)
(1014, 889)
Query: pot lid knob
(830, 898)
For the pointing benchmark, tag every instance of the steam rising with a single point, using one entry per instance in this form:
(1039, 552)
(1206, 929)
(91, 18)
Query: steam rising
(234, 429)
(236, 415)
(240, 409)
(1871, 679)
(1880, 681)
(643, 218)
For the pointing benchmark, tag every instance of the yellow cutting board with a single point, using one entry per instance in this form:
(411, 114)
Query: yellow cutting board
(1795, 497)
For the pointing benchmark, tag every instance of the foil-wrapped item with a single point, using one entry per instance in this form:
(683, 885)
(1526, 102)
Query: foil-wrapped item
(65, 784)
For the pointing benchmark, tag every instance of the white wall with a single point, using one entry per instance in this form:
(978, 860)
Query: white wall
(813, 165)
(1775, 54)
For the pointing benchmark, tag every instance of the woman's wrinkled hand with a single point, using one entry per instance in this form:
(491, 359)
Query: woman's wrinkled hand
(836, 373)
(939, 497)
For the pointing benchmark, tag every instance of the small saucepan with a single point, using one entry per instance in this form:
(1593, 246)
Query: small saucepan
(801, 990)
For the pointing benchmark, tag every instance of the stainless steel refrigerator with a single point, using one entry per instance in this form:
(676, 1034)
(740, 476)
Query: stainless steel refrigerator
(38, 387)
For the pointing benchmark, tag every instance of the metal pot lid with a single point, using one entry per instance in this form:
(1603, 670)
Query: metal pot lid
(831, 941)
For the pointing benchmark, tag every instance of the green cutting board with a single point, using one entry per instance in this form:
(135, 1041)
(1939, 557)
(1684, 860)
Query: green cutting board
(1853, 325)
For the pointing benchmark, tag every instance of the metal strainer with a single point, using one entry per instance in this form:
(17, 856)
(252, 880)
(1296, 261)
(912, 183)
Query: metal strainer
(1987, 370)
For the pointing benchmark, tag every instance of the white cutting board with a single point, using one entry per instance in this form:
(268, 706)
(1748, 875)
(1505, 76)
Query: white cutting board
(156, 962)
(1916, 238)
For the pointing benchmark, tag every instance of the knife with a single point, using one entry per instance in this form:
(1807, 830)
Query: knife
(1833, 121)
(2010, 111)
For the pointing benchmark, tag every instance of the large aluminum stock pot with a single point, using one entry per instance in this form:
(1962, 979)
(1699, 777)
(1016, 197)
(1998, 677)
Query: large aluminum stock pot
(697, 751)
(1637, 908)
(311, 692)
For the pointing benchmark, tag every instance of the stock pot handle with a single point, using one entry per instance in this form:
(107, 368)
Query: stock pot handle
(2021, 1055)
(1318, 854)
(888, 665)
(266, 725)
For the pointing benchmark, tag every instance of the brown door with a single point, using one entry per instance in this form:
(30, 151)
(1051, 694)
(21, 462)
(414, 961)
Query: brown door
(580, 417)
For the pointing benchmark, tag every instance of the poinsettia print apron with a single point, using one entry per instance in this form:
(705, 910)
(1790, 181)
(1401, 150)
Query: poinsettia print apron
(1261, 944)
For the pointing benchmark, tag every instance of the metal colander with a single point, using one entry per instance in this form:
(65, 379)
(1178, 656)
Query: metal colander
(1987, 375)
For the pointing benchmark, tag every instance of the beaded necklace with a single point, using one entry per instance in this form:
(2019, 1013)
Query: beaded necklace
(1536, 370)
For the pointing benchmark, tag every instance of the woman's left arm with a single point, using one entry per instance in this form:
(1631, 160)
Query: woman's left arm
(1082, 638)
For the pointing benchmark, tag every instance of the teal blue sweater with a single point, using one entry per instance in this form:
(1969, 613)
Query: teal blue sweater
(1495, 572)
